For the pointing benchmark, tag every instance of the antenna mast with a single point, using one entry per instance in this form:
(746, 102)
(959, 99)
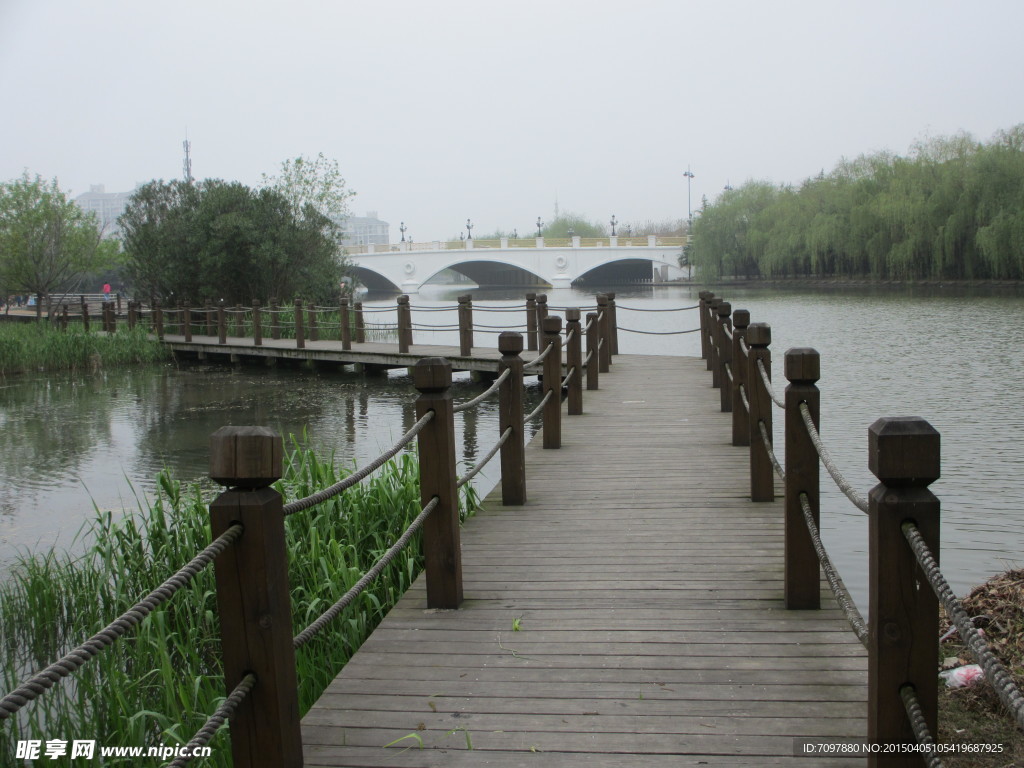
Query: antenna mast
(187, 164)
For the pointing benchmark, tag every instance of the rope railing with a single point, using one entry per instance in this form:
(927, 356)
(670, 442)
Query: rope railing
(321, 496)
(539, 358)
(215, 722)
(768, 385)
(568, 377)
(667, 309)
(915, 715)
(658, 333)
(317, 626)
(995, 672)
(483, 462)
(841, 482)
(540, 407)
(491, 390)
(771, 453)
(42, 681)
(835, 581)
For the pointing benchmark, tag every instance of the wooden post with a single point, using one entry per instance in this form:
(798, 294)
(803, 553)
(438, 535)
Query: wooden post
(257, 324)
(158, 320)
(132, 317)
(253, 597)
(314, 331)
(510, 415)
(762, 473)
(432, 376)
(574, 359)
(705, 297)
(903, 453)
(85, 314)
(404, 324)
(552, 365)
(613, 323)
(211, 319)
(346, 327)
(802, 578)
(275, 319)
(360, 324)
(64, 317)
(740, 419)
(300, 332)
(724, 325)
(222, 326)
(118, 302)
(531, 322)
(239, 321)
(542, 312)
(466, 325)
(604, 324)
(593, 339)
(713, 339)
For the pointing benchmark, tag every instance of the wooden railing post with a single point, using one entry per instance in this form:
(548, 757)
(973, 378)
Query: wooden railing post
(275, 319)
(510, 415)
(604, 324)
(211, 319)
(132, 315)
(613, 324)
(903, 453)
(466, 324)
(574, 360)
(594, 361)
(345, 321)
(253, 597)
(239, 321)
(442, 553)
(552, 365)
(360, 324)
(713, 339)
(531, 321)
(64, 317)
(542, 312)
(300, 331)
(158, 320)
(257, 324)
(705, 297)
(314, 331)
(85, 314)
(723, 327)
(404, 324)
(740, 421)
(762, 473)
(222, 327)
(802, 582)
(118, 297)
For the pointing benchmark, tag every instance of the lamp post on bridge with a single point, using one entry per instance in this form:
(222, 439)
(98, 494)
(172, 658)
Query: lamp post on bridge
(689, 206)
(469, 229)
(401, 229)
(540, 227)
(515, 234)
(613, 223)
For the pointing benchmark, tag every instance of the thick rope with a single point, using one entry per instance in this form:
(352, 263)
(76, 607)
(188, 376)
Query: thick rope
(488, 308)
(568, 376)
(586, 360)
(539, 358)
(771, 453)
(426, 327)
(500, 327)
(223, 713)
(917, 722)
(768, 385)
(995, 673)
(835, 581)
(670, 309)
(484, 395)
(536, 411)
(743, 398)
(320, 496)
(331, 613)
(41, 682)
(483, 462)
(843, 484)
(568, 337)
(658, 333)
(727, 332)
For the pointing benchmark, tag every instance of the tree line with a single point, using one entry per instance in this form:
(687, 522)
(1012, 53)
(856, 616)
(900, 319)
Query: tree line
(951, 209)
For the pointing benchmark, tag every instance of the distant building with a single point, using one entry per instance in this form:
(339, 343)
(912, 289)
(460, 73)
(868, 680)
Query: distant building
(364, 230)
(106, 205)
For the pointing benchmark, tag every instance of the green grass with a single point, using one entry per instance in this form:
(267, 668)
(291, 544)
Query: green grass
(28, 347)
(158, 683)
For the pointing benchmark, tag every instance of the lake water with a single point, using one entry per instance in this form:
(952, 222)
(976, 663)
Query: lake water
(946, 355)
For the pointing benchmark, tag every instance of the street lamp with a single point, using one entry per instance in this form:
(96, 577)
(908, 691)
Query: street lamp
(689, 207)
(402, 230)
(540, 225)
(469, 229)
(515, 234)
(613, 223)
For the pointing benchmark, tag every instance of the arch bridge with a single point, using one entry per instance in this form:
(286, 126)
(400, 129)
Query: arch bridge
(559, 263)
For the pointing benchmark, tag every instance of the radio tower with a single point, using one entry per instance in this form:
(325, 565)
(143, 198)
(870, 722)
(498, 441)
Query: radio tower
(187, 164)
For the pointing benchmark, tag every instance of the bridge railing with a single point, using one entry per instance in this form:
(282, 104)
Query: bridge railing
(619, 241)
(248, 524)
(901, 635)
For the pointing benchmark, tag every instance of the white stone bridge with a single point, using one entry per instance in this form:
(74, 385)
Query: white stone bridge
(405, 267)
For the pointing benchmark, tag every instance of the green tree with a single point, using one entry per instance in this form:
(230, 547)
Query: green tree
(47, 243)
(315, 183)
(579, 225)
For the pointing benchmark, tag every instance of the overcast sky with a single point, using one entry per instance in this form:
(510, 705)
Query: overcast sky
(439, 110)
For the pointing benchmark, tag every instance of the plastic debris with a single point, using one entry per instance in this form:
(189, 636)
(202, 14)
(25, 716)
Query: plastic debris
(963, 676)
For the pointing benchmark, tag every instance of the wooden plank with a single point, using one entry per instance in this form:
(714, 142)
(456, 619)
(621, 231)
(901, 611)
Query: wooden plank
(647, 596)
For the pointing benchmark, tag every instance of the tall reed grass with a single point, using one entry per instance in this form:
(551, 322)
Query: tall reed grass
(41, 347)
(157, 685)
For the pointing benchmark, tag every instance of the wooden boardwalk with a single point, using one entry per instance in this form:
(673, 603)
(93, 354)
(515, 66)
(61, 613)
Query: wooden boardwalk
(630, 614)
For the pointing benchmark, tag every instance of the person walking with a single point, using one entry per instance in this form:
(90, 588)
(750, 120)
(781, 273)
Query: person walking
(106, 291)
